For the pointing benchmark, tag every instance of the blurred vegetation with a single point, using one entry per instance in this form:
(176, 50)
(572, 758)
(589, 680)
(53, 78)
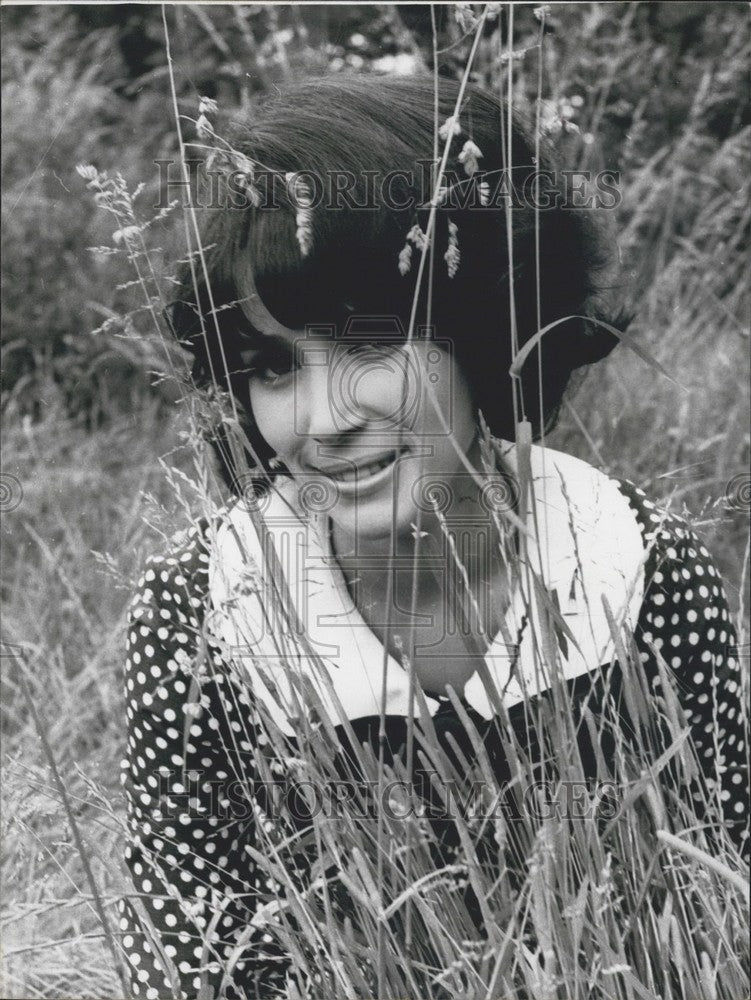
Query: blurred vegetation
(656, 91)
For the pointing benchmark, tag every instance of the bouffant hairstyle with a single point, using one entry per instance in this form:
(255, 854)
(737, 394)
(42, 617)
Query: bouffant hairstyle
(363, 146)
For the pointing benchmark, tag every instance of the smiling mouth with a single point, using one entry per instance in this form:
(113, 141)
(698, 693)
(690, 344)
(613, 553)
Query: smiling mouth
(354, 472)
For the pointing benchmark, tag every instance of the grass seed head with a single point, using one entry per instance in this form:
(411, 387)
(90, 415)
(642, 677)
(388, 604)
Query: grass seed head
(469, 156)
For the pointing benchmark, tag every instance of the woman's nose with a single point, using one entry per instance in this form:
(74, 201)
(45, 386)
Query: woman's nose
(369, 384)
(326, 417)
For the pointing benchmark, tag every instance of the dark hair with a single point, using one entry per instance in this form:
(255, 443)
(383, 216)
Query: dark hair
(368, 127)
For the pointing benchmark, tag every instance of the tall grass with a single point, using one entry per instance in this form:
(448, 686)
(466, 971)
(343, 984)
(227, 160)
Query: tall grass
(638, 905)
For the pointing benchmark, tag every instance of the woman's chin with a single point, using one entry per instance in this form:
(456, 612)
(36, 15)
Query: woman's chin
(374, 519)
(365, 518)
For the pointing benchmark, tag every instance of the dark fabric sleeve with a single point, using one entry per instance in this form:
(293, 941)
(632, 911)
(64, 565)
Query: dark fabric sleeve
(685, 616)
(187, 774)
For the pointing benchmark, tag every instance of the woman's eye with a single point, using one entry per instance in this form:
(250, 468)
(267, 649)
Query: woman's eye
(271, 365)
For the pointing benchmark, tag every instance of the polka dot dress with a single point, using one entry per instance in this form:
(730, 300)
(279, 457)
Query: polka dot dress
(190, 755)
(193, 921)
(685, 618)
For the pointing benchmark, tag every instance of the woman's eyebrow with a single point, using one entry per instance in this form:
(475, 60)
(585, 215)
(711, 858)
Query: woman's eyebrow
(250, 331)
(257, 317)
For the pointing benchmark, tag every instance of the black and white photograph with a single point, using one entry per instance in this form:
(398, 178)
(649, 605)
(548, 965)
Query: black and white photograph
(375, 501)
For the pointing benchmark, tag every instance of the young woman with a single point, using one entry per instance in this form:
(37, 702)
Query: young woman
(404, 550)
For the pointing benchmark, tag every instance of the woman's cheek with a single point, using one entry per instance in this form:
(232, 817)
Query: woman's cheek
(274, 415)
(385, 390)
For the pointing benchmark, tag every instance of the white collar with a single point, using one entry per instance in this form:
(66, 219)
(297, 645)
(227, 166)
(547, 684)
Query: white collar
(586, 548)
(584, 544)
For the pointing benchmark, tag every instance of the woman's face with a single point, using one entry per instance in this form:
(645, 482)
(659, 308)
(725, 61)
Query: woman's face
(360, 420)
